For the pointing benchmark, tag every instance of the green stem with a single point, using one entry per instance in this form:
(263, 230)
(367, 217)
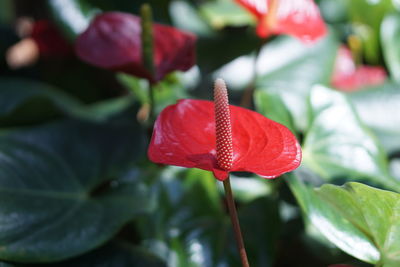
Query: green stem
(235, 222)
(148, 49)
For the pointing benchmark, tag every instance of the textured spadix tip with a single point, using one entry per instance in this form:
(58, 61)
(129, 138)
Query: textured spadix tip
(220, 84)
(223, 127)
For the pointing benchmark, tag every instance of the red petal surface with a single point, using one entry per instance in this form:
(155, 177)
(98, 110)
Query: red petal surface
(349, 77)
(184, 135)
(113, 41)
(299, 18)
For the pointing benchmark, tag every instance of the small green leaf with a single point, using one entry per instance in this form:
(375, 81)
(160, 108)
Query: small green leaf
(224, 13)
(390, 38)
(338, 145)
(366, 17)
(67, 187)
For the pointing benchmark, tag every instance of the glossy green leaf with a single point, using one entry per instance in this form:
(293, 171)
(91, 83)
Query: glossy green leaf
(379, 109)
(288, 69)
(374, 211)
(338, 145)
(390, 38)
(66, 188)
(25, 101)
(330, 222)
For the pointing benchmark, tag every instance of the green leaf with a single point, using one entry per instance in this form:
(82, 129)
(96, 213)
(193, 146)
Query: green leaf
(185, 16)
(190, 227)
(379, 109)
(115, 254)
(112, 254)
(248, 189)
(390, 38)
(326, 217)
(271, 105)
(67, 187)
(72, 16)
(374, 211)
(366, 17)
(288, 69)
(189, 222)
(261, 226)
(338, 145)
(26, 102)
(224, 13)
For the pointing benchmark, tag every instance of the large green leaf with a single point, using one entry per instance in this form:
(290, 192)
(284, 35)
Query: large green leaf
(338, 145)
(361, 220)
(114, 254)
(390, 38)
(66, 188)
(288, 69)
(336, 228)
(379, 109)
(24, 101)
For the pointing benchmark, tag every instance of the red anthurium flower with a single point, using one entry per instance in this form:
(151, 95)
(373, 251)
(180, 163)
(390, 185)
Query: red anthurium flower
(347, 76)
(299, 18)
(113, 41)
(222, 138)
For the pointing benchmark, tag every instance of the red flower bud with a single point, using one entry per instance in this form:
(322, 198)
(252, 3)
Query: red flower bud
(113, 41)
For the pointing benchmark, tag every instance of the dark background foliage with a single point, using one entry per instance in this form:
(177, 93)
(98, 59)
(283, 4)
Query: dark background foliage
(76, 187)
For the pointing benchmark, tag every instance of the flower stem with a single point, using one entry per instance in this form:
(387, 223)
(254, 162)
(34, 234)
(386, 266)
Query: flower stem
(148, 49)
(235, 222)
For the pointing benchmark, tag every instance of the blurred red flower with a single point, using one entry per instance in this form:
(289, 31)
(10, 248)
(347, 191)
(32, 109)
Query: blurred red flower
(188, 134)
(299, 18)
(49, 40)
(113, 41)
(39, 39)
(347, 76)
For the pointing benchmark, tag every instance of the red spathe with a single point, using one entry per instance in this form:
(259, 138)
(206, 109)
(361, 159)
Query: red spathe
(298, 18)
(113, 41)
(184, 135)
